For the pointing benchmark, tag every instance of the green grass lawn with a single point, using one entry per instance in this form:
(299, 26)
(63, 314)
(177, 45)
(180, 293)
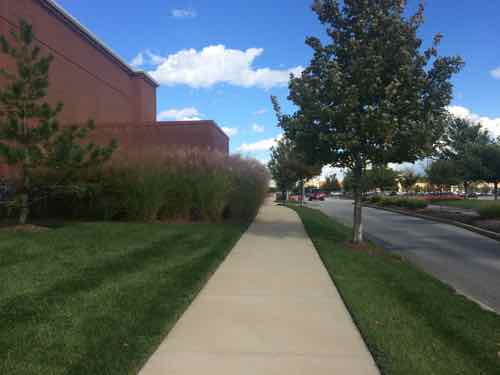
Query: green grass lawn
(97, 298)
(412, 323)
(473, 204)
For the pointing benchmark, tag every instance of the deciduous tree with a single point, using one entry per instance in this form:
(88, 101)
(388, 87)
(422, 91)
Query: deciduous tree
(287, 166)
(371, 95)
(381, 177)
(331, 183)
(408, 178)
(461, 138)
(444, 173)
(487, 164)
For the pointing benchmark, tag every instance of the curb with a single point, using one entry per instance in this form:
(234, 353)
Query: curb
(484, 232)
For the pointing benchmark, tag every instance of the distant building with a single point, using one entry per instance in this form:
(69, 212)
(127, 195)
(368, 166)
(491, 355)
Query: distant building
(94, 83)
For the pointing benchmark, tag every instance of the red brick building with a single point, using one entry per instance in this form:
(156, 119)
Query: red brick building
(94, 83)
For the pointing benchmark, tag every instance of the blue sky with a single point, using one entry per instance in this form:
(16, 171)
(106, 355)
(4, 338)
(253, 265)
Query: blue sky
(222, 59)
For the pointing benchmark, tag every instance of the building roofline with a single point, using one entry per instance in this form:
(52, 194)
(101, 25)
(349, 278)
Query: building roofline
(212, 124)
(72, 21)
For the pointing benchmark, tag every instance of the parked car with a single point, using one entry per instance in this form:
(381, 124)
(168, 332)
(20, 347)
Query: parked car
(473, 195)
(317, 196)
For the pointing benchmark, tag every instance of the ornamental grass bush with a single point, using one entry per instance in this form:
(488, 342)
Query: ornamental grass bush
(410, 203)
(181, 185)
(491, 211)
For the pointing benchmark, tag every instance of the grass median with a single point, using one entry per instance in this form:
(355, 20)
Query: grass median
(412, 323)
(97, 298)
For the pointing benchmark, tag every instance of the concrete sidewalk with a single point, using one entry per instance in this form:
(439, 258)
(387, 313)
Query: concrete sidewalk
(270, 309)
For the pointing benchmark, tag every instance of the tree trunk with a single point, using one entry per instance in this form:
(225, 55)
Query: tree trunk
(25, 209)
(466, 188)
(302, 194)
(496, 190)
(24, 212)
(357, 234)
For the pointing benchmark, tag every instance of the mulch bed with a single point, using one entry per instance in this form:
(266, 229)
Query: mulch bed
(465, 216)
(475, 220)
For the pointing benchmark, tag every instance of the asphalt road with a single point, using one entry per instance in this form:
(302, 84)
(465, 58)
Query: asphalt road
(467, 261)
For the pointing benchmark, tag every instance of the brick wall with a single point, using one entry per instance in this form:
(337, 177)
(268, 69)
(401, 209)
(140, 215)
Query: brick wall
(88, 78)
(134, 140)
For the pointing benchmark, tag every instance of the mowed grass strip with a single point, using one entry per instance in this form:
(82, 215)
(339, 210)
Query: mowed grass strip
(412, 323)
(97, 298)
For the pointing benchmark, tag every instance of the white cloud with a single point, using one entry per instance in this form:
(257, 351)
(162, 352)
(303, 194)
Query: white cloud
(495, 73)
(147, 58)
(257, 128)
(155, 59)
(264, 160)
(218, 64)
(260, 112)
(262, 145)
(137, 60)
(488, 123)
(329, 171)
(230, 131)
(183, 114)
(183, 13)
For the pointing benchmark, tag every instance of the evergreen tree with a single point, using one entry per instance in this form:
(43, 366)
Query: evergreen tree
(30, 136)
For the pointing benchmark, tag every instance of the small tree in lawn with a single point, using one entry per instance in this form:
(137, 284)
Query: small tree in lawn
(371, 96)
(30, 137)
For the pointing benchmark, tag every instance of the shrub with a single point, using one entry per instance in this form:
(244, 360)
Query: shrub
(376, 199)
(172, 186)
(410, 203)
(441, 197)
(490, 212)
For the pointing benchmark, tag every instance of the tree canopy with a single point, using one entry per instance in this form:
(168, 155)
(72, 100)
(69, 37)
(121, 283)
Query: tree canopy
(382, 177)
(444, 173)
(460, 144)
(485, 164)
